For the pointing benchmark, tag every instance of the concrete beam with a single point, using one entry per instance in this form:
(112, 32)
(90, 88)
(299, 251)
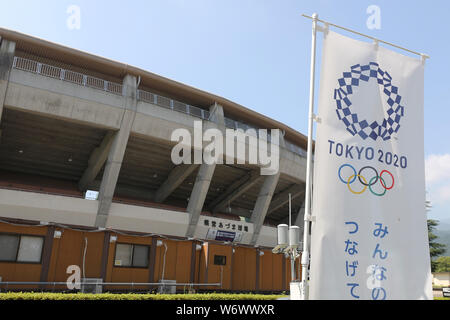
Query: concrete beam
(241, 212)
(282, 198)
(96, 161)
(174, 180)
(117, 151)
(127, 191)
(7, 50)
(204, 176)
(236, 189)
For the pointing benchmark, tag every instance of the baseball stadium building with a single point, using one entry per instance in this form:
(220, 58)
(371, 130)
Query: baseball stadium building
(86, 178)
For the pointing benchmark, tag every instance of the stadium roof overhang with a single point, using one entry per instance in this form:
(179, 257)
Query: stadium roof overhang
(44, 147)
(148, 79)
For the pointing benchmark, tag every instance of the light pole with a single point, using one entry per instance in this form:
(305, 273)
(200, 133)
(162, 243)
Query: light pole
(289, 244)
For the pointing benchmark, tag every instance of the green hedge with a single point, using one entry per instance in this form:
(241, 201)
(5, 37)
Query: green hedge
(132, 296)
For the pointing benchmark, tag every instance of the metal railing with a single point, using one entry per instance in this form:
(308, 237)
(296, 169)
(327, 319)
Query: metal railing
(66, 75)
(142, 95)
(174, 105)
(12, 284)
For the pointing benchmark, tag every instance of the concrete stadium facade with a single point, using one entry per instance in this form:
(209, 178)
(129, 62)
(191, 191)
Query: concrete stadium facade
(72, 122)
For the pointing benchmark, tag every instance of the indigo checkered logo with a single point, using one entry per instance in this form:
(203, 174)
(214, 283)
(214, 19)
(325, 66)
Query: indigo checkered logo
(361, 127)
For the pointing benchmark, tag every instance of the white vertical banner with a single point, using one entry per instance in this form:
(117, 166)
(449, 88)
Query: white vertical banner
(369, 239)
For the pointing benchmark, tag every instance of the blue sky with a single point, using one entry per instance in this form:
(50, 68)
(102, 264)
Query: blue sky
(254, 52)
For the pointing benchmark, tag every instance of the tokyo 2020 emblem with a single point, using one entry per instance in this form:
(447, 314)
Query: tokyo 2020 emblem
(362, 127)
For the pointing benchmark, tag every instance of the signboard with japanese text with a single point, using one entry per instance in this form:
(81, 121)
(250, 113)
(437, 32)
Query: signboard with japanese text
(220, 235)
(369, 239)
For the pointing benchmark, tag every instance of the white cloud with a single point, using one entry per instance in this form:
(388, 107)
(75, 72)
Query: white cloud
(437, 169)
(444, 193)
(437, 173)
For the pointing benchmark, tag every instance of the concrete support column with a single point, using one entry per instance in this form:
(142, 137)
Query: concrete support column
(204, 176)
(7, 50)
(263, 202)
(262, 205)
(299, 220)
(96, 161)
(117, 151)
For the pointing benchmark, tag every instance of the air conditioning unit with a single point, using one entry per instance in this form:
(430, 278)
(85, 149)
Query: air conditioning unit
(91, 285)
(171, 289)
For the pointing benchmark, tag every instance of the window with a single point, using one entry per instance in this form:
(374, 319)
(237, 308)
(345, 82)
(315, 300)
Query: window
(220, 260)
(8, 247)
(21, 248)
(30, 249)
(131, 255)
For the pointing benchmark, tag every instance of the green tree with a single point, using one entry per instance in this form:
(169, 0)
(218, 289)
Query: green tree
(443, 264)
(436, 249)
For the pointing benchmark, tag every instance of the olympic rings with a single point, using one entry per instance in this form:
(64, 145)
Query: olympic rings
(354, 192)
(391, 177)
(372, 181)
(376, 175)
(339, 173)
(373, 192)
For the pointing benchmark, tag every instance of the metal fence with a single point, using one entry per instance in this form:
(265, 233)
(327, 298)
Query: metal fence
(116, 88)
(66, 75)
(129, 286)
(174, 105)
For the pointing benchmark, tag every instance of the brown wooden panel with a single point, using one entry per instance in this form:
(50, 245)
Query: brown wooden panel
(244, 268)
(266, 273)
(38, 231)
(93, 253)
(198, 255)
(183, 262)
(178, 261)
(69, 250)
(277, 272)
(216, 273)
(203, 263)
(171, 260)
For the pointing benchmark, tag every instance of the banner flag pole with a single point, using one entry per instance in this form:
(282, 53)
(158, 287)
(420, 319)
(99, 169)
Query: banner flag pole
(424, 56)
(305, 254)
